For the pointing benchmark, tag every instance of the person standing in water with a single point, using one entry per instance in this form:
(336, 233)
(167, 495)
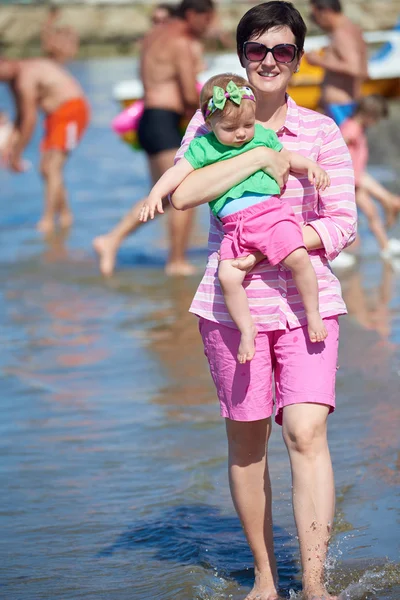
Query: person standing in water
(369, 111)
(41, 83)
(287, 370)
(344, 60)
(168, 66)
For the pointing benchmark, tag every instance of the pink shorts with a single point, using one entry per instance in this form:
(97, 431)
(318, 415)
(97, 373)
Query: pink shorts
(303, 372)
(269, 227)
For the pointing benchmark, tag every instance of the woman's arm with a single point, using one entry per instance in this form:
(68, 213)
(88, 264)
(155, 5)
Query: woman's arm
(208, 183)
(337, 223)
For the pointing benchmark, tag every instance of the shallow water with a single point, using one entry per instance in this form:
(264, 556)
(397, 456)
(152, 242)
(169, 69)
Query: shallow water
(113, 455)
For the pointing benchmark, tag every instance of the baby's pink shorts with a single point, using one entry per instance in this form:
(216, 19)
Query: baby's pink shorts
(269, 227)
(303, 372)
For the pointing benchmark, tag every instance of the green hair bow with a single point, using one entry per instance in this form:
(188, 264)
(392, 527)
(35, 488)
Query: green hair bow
(220, 96)
(232, 92)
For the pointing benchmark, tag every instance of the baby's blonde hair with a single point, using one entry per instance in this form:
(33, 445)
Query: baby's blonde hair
(221, 81)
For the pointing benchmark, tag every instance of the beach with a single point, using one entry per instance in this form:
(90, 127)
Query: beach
(113, 467)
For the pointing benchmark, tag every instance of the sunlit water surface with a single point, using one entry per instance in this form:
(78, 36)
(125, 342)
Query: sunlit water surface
(113, 454)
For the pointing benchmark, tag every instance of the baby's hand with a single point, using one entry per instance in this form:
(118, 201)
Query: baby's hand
(150, 206)
(318, 177)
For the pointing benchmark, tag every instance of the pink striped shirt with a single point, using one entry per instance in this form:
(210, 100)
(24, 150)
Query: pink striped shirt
(273, 297)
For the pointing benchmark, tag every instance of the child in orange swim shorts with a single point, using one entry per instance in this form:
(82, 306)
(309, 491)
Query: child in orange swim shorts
(64, 127)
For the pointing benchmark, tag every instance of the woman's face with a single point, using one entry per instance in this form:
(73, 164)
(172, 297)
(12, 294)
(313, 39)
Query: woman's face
(269, 76)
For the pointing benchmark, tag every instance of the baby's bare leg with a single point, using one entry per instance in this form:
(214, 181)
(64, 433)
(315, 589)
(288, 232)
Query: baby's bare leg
(306, 282)
(231, 280)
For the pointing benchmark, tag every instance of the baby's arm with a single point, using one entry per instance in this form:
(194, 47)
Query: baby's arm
(167, 183)
(304, 166)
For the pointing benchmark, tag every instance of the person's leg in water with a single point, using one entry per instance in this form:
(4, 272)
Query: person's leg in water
(367, 206)
(251, 495)
(307, 285)
(389, 201)
(180, 225)
(305, 435)
(55, 201)
(231, 280)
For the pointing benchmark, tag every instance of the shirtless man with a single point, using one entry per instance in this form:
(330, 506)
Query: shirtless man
(40, 83)
(169, 59)
(344, 60)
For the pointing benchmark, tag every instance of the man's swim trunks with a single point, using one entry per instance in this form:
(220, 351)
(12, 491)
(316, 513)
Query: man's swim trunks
(340, 112)
(159, 130)
(65, 126)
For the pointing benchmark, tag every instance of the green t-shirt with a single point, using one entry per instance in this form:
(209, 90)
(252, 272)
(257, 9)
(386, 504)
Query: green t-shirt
(206, 150)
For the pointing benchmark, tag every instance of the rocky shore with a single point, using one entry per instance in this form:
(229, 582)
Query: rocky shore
(114, 29)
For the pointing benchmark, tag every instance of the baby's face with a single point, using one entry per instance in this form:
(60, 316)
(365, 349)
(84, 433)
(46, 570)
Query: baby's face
(236, 127)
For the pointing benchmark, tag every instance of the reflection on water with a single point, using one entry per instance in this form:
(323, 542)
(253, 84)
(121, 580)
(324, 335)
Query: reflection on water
(112, 450)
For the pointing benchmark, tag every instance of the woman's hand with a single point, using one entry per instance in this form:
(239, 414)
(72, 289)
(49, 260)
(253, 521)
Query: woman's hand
(277, 166)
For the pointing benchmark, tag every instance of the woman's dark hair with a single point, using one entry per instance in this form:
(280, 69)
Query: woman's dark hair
(264, 16)
(333, 5)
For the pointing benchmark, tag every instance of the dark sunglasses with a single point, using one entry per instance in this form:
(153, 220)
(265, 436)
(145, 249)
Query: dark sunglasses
(282, 53)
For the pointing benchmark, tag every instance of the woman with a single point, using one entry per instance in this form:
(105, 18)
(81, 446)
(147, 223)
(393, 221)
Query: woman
(304, 375)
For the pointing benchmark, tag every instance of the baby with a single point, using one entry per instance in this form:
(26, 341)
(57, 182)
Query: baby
(253, 215)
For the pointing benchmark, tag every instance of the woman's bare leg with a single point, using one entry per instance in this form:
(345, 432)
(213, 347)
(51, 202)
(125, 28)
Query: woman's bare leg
(305, 434)
(251, 494)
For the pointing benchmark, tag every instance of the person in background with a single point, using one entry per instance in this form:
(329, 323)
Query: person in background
(369, 111)
(169, 66)
(59, 42)
(161, 13)
(344, 60)
(41, 83)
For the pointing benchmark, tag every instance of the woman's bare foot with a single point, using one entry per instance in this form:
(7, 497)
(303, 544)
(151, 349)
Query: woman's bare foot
(46, 225)
(106, 249)
(247, 348)
(66, 219)
(317, 593)
(316, 328)
(180, 268)
(264, 589)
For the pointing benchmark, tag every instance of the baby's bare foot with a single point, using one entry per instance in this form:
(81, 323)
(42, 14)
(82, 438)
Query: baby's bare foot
(45, 225)
(316, 327)
(247, 347)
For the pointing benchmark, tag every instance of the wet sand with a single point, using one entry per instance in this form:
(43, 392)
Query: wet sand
(113, 454)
